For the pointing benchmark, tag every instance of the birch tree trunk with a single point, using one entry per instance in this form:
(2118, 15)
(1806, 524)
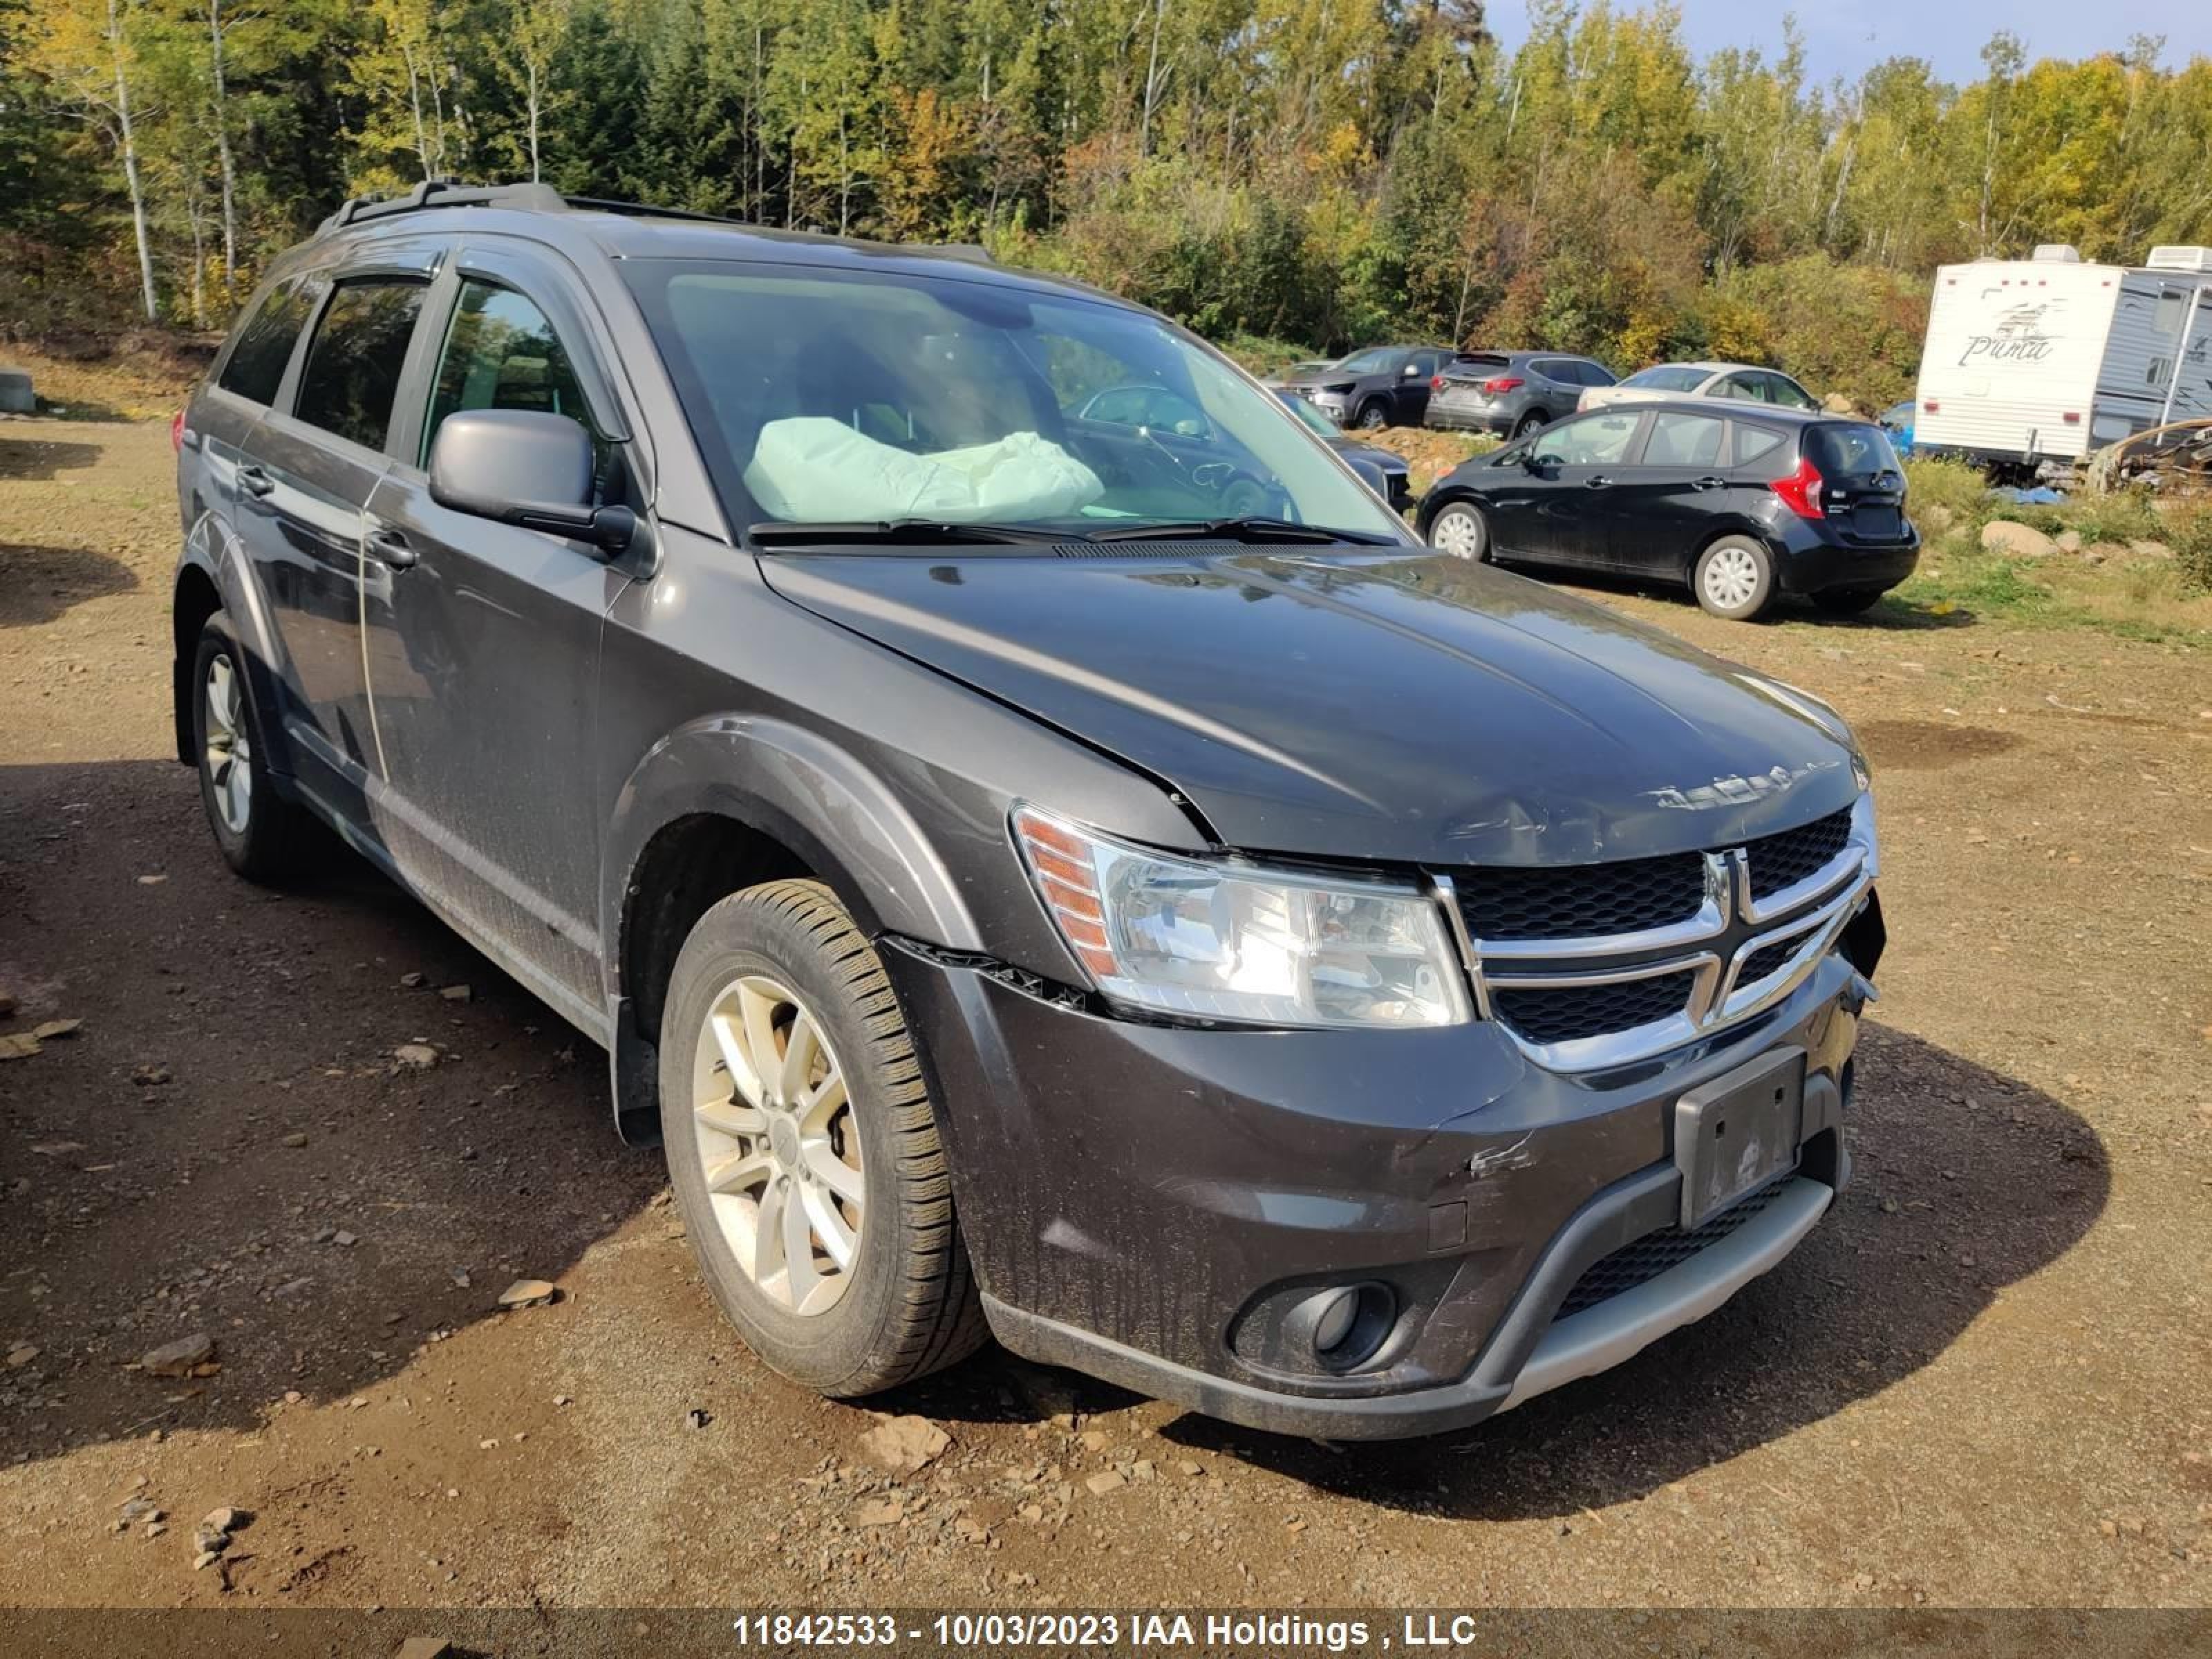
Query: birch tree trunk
(222, 149)
(130, 159)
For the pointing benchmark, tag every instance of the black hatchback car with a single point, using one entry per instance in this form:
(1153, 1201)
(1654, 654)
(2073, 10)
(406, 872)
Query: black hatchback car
(1104, 884)
(1741, 506)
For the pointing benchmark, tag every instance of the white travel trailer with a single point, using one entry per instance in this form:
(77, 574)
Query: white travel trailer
(2032, 363)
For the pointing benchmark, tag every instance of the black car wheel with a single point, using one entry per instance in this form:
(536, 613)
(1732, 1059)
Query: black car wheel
(1460, 530)
(1734, 579)
(1373, 416)
(1847, 601)
(803, 1148)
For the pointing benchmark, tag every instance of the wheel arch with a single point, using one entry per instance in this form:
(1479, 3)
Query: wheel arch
(1744, 527)
(726, 803)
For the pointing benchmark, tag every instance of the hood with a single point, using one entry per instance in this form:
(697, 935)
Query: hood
(1395, 707)
(1352, 450)
(1317, 377)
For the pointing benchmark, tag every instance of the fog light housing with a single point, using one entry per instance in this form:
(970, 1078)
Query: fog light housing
(1340, 1328)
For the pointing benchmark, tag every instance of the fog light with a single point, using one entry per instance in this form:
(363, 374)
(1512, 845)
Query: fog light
(1333, 1323)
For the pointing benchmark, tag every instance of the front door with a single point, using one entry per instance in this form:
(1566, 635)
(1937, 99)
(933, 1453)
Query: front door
(304, 480)
(483, 645)
(1572, 468)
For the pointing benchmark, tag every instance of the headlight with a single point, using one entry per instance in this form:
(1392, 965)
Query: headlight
(1208, 939)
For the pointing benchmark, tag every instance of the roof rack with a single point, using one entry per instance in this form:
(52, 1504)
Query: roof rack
(544, 198)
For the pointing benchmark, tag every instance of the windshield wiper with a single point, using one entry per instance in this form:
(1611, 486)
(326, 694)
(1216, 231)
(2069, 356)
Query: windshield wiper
(1257, 529)
(910, 533)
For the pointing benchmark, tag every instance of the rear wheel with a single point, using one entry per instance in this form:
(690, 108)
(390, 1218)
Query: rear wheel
(1460, 530)
(803, 1148)
(1530, 423)
(1734, 579)
(258, 832)
(1847, 601)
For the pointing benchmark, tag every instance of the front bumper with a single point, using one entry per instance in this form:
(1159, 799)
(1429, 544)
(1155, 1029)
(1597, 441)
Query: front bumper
(1140, 1201)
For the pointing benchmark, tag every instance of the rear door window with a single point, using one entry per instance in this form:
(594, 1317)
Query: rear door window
(1555, 368)
(255, 365)
(1688, 440)
(351, 377)
(1785, 392)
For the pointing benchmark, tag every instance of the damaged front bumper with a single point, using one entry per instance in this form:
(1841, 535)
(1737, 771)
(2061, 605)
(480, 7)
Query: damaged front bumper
(1174, 1209)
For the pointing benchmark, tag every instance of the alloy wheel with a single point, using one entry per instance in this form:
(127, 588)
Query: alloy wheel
(774, 1131)
(229, 754)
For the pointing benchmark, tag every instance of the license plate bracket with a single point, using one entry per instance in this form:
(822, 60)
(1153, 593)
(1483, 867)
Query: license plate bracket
(1735, 1134)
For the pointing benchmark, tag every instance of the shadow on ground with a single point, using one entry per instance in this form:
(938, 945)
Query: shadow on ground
(38, 584)
(36, 458)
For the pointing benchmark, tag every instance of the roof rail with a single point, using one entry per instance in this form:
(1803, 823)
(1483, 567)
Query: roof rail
(442, 193)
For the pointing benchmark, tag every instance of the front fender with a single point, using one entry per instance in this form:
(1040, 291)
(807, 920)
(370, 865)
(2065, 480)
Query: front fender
(807, 793)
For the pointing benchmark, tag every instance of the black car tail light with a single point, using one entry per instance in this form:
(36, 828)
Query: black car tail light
(1801, 490)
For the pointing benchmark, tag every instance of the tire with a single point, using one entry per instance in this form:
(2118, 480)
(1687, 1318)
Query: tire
(1529, 423)
(1734, 579)
(1460, 530)
(1847, 601)
(260, 834)
(905, 1304)
(1372, 416)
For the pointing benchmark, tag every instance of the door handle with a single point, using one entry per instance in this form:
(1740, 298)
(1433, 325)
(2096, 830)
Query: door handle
(1598, 481)
(391, 547)
(255, 482)
(1707, 483)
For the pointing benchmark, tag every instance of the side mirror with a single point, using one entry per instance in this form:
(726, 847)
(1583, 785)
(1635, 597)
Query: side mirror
(1410, 370)
(527, 468)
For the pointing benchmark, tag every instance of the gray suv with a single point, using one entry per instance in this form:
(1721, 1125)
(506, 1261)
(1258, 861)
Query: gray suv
(1512, 393)
(1125, 896)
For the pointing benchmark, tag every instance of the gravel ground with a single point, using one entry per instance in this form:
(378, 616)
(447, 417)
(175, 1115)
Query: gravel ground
(1982, 1382)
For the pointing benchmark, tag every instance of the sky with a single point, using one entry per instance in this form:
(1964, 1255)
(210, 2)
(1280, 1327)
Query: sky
(1845, 37)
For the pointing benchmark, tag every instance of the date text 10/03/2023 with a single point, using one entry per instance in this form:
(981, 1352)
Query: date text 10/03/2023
(1269, 1632)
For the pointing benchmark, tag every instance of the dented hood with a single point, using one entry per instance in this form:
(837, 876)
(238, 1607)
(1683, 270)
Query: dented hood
(1392, 706)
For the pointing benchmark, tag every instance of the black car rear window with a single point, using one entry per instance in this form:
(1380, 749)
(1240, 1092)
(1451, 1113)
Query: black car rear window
(351, 376)
(256, 364)
(1850, 449)
(1753, 441)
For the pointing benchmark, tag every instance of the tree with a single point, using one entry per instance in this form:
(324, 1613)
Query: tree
(88, 52)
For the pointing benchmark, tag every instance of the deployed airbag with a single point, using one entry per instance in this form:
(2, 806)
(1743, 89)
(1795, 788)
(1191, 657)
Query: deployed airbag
(810, 467)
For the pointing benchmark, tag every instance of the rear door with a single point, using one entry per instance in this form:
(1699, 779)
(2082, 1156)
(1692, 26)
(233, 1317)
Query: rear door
(1559, 508)
(1662, 507)
(302, 486)
(1861, 482)
(483, 639)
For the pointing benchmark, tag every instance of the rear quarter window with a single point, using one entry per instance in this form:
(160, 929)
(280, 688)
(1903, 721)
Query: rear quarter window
(1752, 442)
(256, 364)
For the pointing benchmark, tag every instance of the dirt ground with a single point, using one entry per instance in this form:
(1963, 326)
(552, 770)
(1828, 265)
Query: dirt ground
(1984, 1381)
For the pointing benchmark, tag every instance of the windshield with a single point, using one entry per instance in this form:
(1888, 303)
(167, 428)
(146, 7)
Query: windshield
(1375, 360)
(820, 395)
(1669, 377)
(1311, 418)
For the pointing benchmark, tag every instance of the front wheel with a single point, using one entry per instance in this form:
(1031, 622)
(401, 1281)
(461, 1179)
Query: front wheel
(1460, 530)
(803, 1148)
(1734, 579)
(1373, 417)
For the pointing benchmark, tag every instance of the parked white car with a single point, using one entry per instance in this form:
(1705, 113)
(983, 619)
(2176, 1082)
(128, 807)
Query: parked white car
(1742, 382)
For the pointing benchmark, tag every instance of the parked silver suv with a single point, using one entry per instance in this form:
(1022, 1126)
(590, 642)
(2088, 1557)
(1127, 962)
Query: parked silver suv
(1511, 393)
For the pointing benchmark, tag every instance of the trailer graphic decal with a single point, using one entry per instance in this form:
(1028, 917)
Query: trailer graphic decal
(2020, 336)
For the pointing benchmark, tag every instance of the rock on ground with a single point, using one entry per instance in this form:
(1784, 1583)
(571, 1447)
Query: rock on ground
(2016, 541)
(904, 1444)
(177, 1358)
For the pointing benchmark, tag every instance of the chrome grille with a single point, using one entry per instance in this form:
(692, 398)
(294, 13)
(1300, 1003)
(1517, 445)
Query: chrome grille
(1573, 1012)
(1654, 1253)
(1582, 901)
(1783, 861)
(1596, 964)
